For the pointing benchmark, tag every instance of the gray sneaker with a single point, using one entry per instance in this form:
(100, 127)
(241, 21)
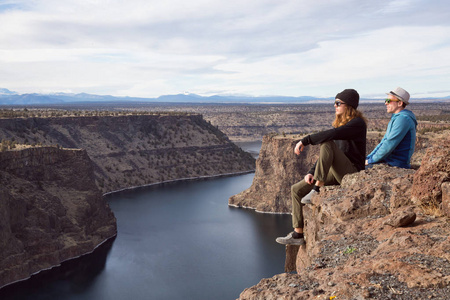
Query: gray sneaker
(289, 240)
(307, 198)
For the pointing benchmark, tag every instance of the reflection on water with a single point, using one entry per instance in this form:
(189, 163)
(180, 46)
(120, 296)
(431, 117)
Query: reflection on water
(73, 276)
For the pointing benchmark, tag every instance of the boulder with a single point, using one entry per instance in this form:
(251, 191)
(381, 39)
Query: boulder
(401, 218)
(433, 172)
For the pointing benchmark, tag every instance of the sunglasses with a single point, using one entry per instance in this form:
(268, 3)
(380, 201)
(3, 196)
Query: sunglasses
(338, 103)
(387, 101)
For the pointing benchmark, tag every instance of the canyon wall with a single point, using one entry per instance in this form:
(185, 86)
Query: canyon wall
(50, 210)
(136, 150)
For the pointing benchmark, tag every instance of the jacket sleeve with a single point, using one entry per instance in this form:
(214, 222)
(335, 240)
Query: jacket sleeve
(390, 141)
(349, 131)
(376, 148)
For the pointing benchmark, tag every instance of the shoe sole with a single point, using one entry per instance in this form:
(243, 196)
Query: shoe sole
(288, 243)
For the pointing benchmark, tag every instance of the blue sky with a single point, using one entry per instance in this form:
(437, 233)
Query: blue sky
(148, 48)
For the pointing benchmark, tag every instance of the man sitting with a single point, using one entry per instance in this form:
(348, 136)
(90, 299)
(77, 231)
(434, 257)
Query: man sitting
(397, 145)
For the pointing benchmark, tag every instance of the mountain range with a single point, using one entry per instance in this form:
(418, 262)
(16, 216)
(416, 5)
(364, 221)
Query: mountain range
(8, 97)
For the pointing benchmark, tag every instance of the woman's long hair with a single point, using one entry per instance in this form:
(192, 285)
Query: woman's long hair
(349, 114)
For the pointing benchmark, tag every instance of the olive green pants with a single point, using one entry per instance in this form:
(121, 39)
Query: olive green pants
(331, 166)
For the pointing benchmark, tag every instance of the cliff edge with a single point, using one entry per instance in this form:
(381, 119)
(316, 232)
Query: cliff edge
(382, 234)
(50, 210)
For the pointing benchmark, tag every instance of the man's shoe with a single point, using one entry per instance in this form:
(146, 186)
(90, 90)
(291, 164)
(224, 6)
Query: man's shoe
(307, 198)
(289, 240)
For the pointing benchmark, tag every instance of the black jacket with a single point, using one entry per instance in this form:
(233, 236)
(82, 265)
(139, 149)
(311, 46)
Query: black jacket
(350, 138)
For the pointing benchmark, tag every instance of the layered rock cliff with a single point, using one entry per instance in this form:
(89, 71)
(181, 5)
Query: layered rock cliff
(137, 150)
(50, 210)
(382, 234)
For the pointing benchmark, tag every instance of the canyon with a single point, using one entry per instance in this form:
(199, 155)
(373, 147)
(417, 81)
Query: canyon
(54, 171)
(52, 182)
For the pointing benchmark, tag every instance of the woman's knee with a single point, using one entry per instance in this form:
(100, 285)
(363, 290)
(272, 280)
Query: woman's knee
(294, 188)
(330, 145)
(300, 188)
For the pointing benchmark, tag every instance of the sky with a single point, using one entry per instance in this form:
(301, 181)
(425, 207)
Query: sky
(148, 48)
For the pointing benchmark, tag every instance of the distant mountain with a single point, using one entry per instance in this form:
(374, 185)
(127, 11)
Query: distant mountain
(8, 97)
(27, 99)
(11, 98)
(6, 92)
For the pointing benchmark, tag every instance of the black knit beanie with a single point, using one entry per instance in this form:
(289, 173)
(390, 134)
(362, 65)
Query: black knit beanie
(350, 97)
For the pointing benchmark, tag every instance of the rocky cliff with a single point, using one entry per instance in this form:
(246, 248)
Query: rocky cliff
(50, 210)
(382, 234)
(137, 150)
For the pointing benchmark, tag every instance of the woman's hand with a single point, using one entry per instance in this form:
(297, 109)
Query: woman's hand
(299, 148)
(309, 178)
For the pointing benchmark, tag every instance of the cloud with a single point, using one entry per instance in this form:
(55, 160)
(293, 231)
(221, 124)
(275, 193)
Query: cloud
(148, 48)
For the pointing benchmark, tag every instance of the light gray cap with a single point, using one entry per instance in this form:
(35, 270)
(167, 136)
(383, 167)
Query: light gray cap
(401, 94)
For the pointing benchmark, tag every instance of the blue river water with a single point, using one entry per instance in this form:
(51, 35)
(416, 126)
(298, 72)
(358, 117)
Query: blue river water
(175, 241)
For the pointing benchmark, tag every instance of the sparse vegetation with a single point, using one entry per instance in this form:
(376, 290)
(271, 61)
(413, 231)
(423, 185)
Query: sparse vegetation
(432, 208)
(53, 113)
(443, 117)
(7, 145)
(433, 129)
(349, 250)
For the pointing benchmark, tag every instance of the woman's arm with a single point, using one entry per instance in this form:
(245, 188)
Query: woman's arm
(353, 129)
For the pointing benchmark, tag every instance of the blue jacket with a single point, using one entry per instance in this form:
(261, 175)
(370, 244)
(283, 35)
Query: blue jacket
(397, 145)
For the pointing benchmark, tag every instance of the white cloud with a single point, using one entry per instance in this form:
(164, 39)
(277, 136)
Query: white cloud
(148, 48)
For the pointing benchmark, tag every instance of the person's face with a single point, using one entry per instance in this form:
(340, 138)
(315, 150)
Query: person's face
(340, 106)
(394, 106)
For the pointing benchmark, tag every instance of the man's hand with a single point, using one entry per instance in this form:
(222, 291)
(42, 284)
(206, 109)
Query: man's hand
(309, 178)
(367, 162)
(299, 148)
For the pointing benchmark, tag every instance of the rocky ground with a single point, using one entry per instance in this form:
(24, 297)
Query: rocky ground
(382, 234)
